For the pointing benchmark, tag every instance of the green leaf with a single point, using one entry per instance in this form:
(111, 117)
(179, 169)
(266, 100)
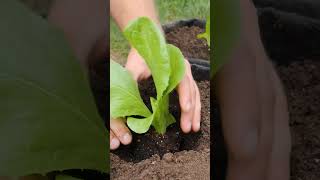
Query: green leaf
(140, 126)
(125, 97)
(48, 118)
(226, 31)
(149, 41)
(160, 119)
(177, 67)
(206, 34)
(161, 116)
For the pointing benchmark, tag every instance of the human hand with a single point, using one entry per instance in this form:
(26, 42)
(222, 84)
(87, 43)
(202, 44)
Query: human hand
(189, 99)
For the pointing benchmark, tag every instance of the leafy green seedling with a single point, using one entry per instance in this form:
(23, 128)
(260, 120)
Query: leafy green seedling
(206, 35)
(167, 67)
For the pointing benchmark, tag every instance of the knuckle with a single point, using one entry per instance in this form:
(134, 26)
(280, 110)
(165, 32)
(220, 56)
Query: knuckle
(120, 131)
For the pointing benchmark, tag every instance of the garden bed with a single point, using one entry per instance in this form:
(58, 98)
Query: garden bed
(174, 154)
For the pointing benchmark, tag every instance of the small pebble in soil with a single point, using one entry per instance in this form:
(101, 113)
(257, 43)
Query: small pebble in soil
(168, 157)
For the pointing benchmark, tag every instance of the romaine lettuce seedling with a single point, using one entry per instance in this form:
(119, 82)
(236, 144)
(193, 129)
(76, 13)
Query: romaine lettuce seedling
(167, 67)
(206, 35)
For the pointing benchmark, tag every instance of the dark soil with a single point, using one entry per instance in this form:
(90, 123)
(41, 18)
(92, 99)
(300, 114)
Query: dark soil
(173, 155)
(302, 84)
(186, 39)
(174, 140)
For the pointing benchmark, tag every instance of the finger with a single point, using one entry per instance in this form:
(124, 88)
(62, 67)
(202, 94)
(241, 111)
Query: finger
(185, 104)
(197, 110)
(121, 131)
(114, 141)
(184, 92)
(193, 98)
(187, 115)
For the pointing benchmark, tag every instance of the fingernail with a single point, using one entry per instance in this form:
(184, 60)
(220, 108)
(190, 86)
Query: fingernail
(114, 143)
(188, 106)
(188, 126)
(126, 138)
(197, 127)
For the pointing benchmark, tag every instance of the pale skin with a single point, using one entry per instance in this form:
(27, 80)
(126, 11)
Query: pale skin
(253, 103)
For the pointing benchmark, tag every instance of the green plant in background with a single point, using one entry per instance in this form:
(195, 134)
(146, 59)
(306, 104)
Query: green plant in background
(206, 35)
(167, 67)
(48, 119)
(226, 31)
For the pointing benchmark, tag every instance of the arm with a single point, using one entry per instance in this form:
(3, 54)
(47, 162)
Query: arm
(124, 11)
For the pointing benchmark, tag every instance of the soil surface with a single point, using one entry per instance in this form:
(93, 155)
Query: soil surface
(186, 39)
(173, 155)
(302, 84)
(174, 140)
(184, 165)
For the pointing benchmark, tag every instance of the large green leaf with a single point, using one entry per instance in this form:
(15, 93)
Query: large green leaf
(148, 40)
(140, 125)
(125, 97)
(48, 118)
(226, 30)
